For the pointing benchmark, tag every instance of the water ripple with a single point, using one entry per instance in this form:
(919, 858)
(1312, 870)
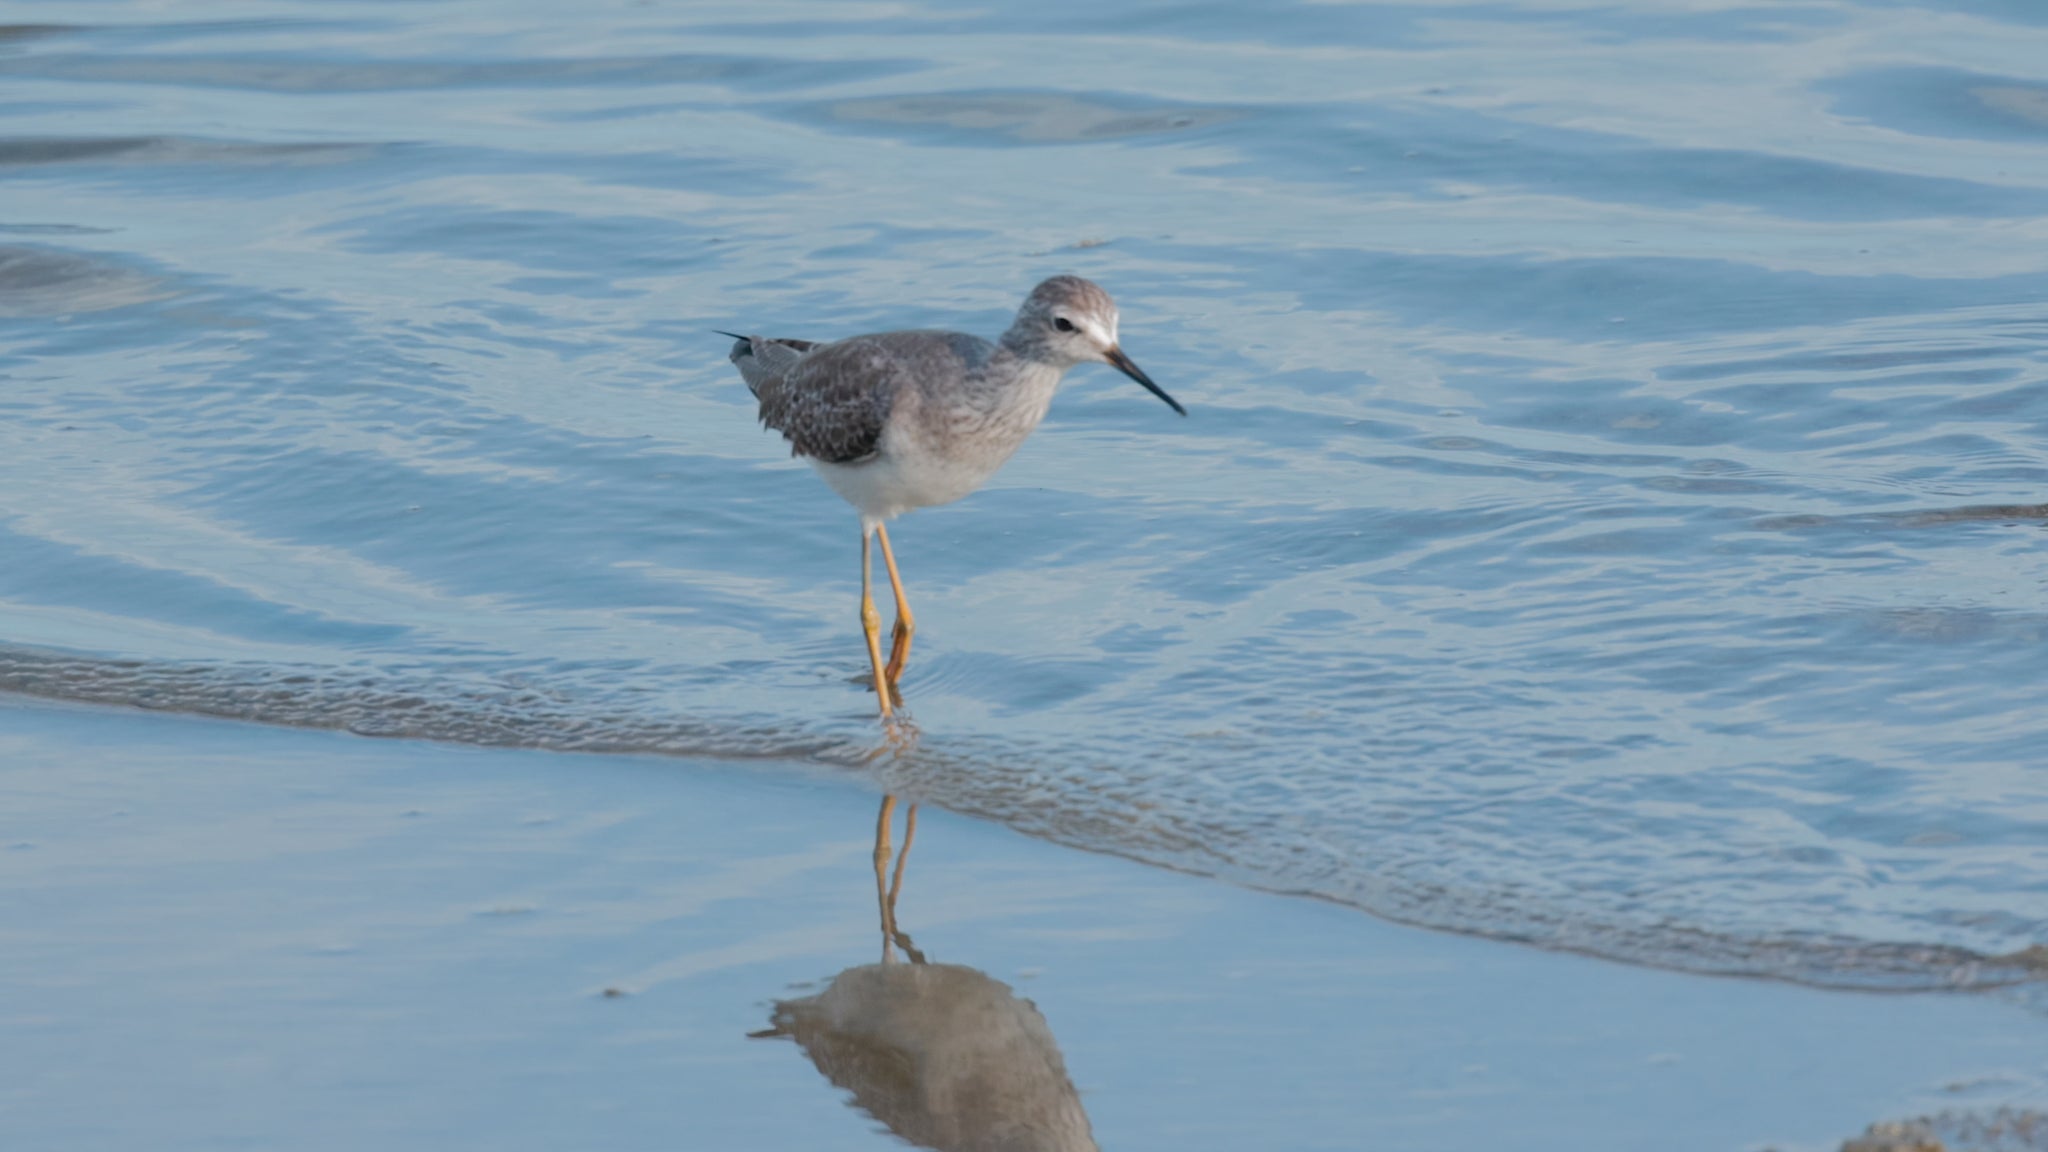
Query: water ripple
(1608, 516)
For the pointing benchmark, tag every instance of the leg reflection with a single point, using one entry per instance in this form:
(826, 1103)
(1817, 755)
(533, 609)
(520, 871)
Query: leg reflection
(888, 883)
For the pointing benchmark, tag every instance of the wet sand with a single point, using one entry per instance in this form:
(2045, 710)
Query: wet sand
(229, 936)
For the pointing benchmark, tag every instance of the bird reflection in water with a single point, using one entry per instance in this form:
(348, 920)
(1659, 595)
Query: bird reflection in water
(943, 1055)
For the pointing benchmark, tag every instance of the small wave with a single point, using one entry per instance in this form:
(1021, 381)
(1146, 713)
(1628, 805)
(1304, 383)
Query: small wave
(481, 710)
(37, 281)
(303, 74)
(24, 151)
(2035, 515)
(1020, 117)
(1021, 787)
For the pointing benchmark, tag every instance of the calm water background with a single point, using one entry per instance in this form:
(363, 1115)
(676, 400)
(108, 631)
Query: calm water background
(1610, 513)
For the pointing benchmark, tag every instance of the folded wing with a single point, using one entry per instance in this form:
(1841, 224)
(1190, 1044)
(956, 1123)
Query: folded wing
(830, 401)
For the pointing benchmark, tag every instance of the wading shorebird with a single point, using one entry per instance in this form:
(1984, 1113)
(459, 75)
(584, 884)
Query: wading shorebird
(902, 420)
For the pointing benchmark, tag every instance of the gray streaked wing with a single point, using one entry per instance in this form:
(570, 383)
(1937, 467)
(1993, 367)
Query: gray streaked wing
(830, 401)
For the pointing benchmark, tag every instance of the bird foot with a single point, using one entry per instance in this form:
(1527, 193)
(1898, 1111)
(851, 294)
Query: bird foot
(910, 950)
(899, 738)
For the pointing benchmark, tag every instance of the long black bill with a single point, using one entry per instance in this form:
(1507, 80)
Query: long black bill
(1124, 365)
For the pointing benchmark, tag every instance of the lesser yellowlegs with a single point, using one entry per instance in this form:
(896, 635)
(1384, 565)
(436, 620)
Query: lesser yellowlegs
(902, 420)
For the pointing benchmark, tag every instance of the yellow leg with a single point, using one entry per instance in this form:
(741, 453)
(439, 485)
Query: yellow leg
(871, 626)
(906, 626)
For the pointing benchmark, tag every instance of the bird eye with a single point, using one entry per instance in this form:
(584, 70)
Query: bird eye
(1063, 324)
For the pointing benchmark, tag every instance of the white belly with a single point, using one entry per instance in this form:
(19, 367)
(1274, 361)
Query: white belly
(922, 462)
(902, 477)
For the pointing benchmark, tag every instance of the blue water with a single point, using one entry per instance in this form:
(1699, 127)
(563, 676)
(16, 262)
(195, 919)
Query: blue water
(1611, 513)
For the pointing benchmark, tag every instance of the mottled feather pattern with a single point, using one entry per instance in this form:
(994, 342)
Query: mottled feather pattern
(832, 401)
(901, 420)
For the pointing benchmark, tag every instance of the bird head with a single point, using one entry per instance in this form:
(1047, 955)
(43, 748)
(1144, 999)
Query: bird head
(1067, 321)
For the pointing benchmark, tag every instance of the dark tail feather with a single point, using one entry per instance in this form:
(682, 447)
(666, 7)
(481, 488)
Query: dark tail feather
(744, 345)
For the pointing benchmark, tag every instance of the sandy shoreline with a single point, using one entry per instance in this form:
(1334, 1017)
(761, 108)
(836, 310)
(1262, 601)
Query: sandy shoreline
(225, 936)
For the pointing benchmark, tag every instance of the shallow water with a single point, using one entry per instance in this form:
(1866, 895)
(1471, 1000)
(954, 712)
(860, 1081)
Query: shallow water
(282, 938)
(1610, 514)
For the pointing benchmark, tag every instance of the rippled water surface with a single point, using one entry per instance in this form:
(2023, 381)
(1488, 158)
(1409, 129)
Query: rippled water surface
(1611, 512)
